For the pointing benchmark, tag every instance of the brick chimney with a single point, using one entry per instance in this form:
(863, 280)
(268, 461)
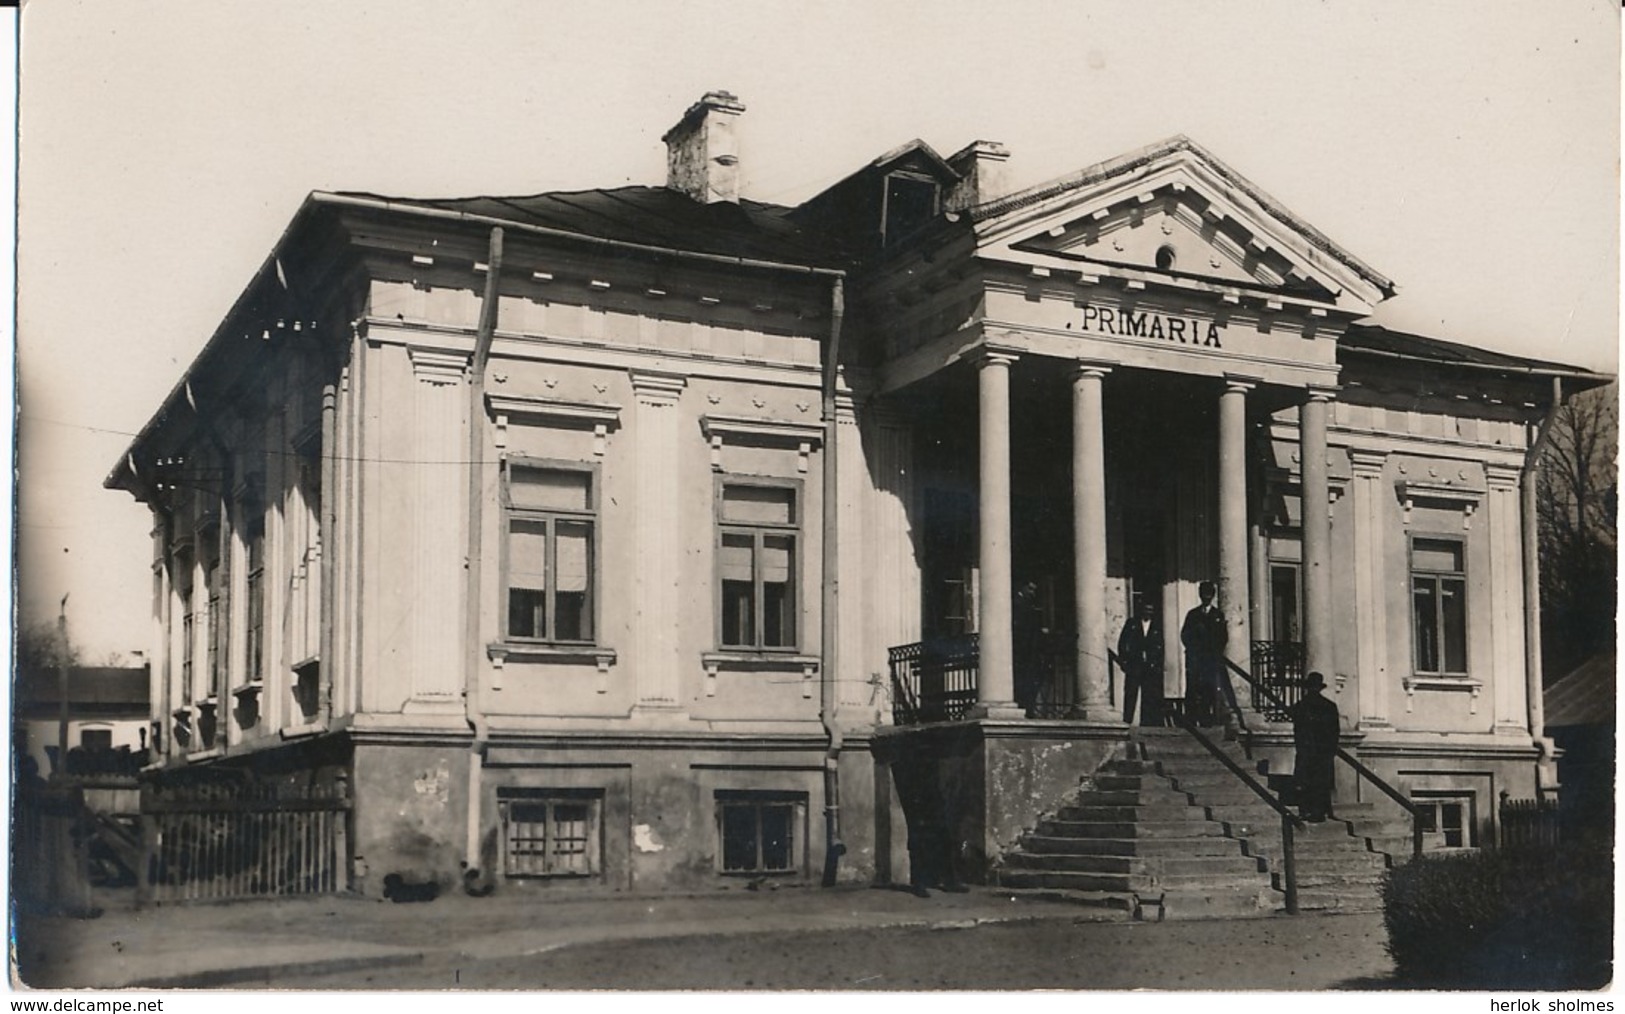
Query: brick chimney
(984, 174)
(702, 151)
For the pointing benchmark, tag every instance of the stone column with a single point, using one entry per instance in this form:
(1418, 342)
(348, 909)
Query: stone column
(1371, 588)
(1089, 544)
(658, 544)
(1506, 602)
(1235, 598)
(1317, 531)
(995, 688)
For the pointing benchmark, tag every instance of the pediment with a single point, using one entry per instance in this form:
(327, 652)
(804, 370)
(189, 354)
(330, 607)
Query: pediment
(1175, 216)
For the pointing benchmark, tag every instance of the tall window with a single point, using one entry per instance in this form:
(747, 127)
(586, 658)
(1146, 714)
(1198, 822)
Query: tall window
(1439, 606)
(758, 527)
(760, 832)
(551, 833)
(552, 517)
(183, 591)
(254, 594)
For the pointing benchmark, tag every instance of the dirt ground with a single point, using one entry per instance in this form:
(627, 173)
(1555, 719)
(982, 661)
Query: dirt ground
(1308, 953)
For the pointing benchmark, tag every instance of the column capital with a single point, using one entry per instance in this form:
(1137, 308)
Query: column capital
(1367, 464)
(1240, 382)
(437, 367)
(1091, 368)
(988, 354)
(1321, 393)
(1502, 476)
(657, 388)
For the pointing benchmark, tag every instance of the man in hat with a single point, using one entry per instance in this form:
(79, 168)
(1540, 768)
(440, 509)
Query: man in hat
(1204, 635)
(1315, 726)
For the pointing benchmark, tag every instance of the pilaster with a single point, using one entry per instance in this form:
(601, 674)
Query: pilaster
(1371, 588)
(1506, 600)
(656, 662)
(439, 486)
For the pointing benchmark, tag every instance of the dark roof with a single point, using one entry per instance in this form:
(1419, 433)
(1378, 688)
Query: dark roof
(1383, 341)
(1584, 695)
(653, 216)
(101, 686)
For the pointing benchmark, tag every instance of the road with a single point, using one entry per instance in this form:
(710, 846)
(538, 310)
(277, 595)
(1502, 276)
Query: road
(1310, 953)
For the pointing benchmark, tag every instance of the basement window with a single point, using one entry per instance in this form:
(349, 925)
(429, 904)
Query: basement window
(761, 832)
(551, 833)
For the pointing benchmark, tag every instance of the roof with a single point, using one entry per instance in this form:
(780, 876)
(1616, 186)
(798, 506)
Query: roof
(99, 686)
(651, 216)
(1382, 341)
(1584, 695)
(1136, 160)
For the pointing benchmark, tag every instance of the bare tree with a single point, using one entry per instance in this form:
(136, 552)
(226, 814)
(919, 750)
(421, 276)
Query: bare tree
(41, 645)
(1579, 507)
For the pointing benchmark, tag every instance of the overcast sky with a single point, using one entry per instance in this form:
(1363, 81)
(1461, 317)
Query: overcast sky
(1466, 150)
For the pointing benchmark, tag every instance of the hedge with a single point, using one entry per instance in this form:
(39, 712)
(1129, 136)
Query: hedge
(1501, 919)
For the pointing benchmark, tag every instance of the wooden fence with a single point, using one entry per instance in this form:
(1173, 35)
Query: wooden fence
(1529, 823)
(244, 840)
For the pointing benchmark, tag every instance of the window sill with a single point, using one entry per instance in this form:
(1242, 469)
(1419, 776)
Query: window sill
(759, 661)
(253, 688)
(301, 731)
(563, 654)
(1455, 684)
(199, 756)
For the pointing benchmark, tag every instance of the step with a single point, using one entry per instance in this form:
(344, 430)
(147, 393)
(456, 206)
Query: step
(1333, 901)
(1332, 881)
(1160, 811)
(1196, 780)
(1130, 782)
(1130, 829)
(1070, 880)
(1128, 797)
(1340, 861)
(1155, 867)
(1118, 903)
(1206, 846)
(1231, 904)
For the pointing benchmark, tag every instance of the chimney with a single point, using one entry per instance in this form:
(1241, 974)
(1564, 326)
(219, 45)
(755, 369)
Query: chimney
(702, 151)
(984, 174)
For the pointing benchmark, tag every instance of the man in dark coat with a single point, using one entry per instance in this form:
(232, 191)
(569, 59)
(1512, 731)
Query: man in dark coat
(1139, 651)
(1315, 726)
(1204, 635)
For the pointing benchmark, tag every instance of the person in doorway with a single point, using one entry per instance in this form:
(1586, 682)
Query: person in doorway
(1139, 651)
(1204, 636)
(1315, 725)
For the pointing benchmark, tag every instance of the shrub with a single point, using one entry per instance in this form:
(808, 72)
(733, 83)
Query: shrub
(1503, 919)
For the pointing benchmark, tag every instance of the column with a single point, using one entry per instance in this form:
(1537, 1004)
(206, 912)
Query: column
(1371, 590)
(1235, 599)
(1317, 531)
(1089, 544)
(995, 688)
(853, 692)
(658, 544)
(438, 442)
(1506, 602)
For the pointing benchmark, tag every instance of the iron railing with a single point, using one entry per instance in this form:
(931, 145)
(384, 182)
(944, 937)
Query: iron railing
(1277, 678)
(1289, 822)
(933, 681)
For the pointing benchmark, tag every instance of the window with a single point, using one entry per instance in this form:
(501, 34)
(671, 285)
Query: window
(183, 591)
(760, 832)
(552, 519)
(1286, 616)
(758, 530)
(550, 833)
(254, 595)
(96, 739)
(1447, 821)
(910, 202)
(1439, 606)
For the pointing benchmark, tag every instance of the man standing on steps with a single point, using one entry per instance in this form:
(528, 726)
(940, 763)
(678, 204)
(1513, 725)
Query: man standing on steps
(1139, 651)
(1204, 636)
(1315, 726)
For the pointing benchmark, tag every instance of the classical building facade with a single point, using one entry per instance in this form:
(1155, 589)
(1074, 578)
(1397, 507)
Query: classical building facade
(618, 538)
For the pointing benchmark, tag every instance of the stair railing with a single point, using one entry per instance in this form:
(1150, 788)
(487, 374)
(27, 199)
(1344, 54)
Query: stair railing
(1349, 759)
(1289, 821)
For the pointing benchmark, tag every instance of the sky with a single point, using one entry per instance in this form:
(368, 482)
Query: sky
(1468, 151)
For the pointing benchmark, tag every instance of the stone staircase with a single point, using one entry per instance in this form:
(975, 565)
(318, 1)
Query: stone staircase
(1170, 833)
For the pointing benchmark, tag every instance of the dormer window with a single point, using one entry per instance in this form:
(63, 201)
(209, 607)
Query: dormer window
(910, 202)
